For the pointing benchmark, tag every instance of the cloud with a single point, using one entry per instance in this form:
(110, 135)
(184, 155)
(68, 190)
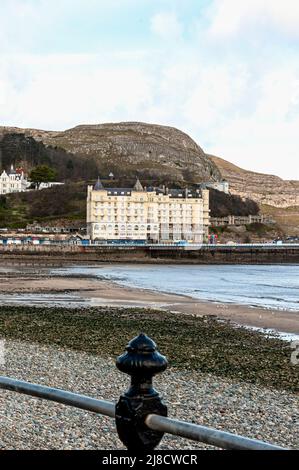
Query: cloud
(63, 25)
(229, 18)
(240, 102)
(63, 91)
(265, 138)
(22, 21)
(259, 145)
(215, 94)
(166, 25)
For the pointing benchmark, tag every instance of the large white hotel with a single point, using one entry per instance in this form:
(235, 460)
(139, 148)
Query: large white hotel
(147, 214)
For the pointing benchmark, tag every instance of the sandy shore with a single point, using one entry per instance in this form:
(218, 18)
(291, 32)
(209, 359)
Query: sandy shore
(99, 292)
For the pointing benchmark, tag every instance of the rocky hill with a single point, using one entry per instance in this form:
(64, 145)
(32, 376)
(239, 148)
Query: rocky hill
(130, 148)
(276, 197)
(262, 188)
(148, 150)
(155, 153)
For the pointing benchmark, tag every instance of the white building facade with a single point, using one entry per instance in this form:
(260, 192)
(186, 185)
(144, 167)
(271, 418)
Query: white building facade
(222, 186)
(49, 184)
(12, 182)
(147, 214)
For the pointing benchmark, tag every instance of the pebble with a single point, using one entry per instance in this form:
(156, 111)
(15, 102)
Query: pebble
(31, 423)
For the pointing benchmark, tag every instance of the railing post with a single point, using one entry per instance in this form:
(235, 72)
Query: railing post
(141, 361)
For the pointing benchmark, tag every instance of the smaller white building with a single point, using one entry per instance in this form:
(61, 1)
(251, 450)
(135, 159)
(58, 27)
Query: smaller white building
(49, 184)
(222, 186)
(13, 181)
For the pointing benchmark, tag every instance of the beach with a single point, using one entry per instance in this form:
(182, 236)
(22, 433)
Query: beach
(98, 292)
(65, 329)
(222, 403)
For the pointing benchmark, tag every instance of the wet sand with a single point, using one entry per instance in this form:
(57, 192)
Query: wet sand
(99, 292)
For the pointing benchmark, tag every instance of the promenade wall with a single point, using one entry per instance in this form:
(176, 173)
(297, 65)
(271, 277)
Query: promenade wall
(206, 255)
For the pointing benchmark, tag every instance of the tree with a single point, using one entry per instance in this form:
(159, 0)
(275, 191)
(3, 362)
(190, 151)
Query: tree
(42, 174)
(70, 165)
(2, 202)
(222, 205)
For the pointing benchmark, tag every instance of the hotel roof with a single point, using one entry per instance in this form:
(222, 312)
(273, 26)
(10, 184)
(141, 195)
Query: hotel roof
(171, 192)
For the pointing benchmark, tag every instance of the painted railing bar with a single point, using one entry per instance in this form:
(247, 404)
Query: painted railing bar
(61, 396)
(140, 413)
(211, 436)
(194, 432)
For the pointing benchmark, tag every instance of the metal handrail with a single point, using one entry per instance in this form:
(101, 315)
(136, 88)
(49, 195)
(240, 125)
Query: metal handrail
(207, 435)
(154, 422)
(60, 396)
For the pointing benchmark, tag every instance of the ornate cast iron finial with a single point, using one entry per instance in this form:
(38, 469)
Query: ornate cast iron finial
(141, 361)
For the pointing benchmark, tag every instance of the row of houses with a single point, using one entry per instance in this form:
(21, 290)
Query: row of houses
(56, 229)
(76, 239)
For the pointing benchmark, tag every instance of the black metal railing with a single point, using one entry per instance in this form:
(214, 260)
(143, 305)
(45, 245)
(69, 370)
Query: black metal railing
(140, 414)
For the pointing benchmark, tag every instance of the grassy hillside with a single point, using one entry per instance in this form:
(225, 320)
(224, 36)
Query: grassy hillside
(286, 217)
(66, 202)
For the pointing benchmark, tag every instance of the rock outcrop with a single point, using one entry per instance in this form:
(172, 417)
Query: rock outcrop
(262, 188)
(151, 151)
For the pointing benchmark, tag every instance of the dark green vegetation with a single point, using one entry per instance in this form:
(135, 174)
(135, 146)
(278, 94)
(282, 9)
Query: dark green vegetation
(254, 232)
(66, 202)
(222, 205)
(259, 228)
(42, 174)
(26, 152)
(203, 344)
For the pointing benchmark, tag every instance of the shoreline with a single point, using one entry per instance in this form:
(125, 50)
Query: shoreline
(281, 321)
(97, 292)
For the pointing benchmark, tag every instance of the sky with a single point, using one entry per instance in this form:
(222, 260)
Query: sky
(224, 71)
